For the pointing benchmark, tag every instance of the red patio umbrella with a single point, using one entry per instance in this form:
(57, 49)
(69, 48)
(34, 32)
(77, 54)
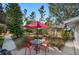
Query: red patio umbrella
(36, 24)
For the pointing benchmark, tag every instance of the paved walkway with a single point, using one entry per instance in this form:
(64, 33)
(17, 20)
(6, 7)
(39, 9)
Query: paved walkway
(68, 49)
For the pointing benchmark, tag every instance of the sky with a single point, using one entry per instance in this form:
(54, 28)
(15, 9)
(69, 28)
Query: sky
(34, 7)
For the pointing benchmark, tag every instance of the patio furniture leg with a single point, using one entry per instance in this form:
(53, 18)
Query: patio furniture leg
(29, 51)
(36, 49)
(45, 51)
(48, 49)
(36, 52)
(25, 51)
(39, 49)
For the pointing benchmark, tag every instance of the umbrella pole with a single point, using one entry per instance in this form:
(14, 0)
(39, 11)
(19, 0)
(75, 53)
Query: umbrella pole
(37, 47)
(37, 39)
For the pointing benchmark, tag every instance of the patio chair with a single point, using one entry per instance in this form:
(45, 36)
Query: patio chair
(28, 45)
(45, 47)
(29, 38)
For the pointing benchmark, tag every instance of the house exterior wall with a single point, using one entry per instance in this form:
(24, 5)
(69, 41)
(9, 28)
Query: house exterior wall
(74, 23)
(76, 35)
(2, 16)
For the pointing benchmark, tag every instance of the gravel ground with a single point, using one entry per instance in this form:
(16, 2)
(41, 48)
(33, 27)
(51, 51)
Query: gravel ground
(68, 49)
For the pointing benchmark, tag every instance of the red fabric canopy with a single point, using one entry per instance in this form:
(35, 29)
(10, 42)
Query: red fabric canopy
(36, 24)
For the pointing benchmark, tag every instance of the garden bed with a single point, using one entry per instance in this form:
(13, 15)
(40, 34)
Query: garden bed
(59, 43)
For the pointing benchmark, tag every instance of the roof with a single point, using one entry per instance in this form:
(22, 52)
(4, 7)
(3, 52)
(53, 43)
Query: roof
(72, 20)
(57, 26)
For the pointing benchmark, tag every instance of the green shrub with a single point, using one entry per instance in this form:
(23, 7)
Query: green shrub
(1, 29)
(35, 37)
(20, 41)
(18, 44)
(57, 43)
(1, 41)
(65, 35)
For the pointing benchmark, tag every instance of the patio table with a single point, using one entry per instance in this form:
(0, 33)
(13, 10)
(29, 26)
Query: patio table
(36, 43)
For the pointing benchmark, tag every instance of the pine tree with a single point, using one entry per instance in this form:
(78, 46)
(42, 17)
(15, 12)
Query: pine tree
(32, 15)
(14, 18)
(42, 12)
(64, 11)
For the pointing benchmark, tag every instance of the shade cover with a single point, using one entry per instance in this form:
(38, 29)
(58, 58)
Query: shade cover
(36, 24)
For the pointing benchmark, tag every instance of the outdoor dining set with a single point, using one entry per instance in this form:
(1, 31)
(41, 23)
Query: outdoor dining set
(37, 44)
